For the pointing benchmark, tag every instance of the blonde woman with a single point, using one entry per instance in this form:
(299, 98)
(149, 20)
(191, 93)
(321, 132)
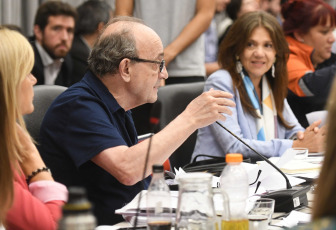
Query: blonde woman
(30, 198)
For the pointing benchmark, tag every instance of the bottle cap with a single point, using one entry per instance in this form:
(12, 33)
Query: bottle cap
(157, 168)
(234, 157)
(77, 201)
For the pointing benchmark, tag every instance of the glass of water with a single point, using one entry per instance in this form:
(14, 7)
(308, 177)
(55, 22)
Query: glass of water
(260, 213)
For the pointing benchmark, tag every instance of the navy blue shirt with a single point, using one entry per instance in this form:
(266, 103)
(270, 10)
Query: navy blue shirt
(83, 121)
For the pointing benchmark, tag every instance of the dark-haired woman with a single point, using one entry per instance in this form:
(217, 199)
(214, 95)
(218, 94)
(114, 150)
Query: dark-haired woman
(253, 57)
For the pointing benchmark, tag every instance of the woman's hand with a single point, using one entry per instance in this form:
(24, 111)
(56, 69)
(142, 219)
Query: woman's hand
(312, 138)
(313, 127)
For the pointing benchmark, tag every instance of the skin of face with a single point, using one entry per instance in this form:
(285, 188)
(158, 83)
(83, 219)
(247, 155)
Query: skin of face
(258, 55)
(321, 39)
(26, 94)
(57, 36)
(146, 77)
(275, 7)
(221, 5)
(248, 6)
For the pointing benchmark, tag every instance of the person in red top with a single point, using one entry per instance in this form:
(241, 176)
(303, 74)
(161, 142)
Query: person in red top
(308, 26)
(30, 198)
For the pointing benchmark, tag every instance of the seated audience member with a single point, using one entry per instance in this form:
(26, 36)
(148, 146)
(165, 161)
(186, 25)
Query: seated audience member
(92, 17)
(53, 34)
(308, 26)
(235, 9)
(211, 40)
(30, 198)
(273, 7)
(88, 136)
(324, 204)
(253, 57)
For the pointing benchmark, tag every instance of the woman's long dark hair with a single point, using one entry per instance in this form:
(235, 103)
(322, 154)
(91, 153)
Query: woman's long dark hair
(234, 44)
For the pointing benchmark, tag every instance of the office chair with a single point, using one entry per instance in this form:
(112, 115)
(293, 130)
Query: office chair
(44, 95)
(172, 100)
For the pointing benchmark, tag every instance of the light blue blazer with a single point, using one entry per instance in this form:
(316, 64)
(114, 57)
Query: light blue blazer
(214, 140)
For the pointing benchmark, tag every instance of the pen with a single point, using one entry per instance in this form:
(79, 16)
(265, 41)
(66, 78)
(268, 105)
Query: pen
(258, 184)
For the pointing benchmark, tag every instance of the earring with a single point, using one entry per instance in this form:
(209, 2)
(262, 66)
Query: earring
(239, 66)
(273, 71)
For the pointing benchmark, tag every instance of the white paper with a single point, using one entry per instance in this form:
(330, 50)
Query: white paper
(133, 205)
(317, 115)
(270, 178)
(294, 218)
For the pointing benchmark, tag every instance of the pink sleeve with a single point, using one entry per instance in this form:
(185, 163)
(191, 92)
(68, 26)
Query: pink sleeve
(28, 212)
(46, 190)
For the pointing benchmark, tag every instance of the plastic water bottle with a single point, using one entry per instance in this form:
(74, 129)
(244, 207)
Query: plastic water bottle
(158, 201)
(77, 213)
(234, 182)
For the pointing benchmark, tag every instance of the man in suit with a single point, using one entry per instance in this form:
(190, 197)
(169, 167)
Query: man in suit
(53, 34)
(92, 17)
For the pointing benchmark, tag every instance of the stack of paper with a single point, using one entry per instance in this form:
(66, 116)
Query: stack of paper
(300, 166)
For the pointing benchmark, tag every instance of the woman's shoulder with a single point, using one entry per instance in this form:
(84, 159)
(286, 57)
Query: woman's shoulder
(221, 80)
(221, 75)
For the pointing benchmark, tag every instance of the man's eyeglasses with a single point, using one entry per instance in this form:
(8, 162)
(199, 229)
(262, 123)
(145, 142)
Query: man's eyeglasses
(161, 63)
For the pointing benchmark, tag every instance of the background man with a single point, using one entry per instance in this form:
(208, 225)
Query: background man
(92, 17)
(88, 136)
(53, 34)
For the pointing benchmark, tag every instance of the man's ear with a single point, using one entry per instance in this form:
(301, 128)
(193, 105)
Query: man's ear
(100, 26)
(38, 33)
(124, 69)
(298, 36)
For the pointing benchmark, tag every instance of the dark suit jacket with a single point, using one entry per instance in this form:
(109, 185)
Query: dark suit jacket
(80, 54)
(64, 77)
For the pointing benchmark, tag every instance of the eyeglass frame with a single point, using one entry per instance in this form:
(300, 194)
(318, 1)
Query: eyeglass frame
(161, 63)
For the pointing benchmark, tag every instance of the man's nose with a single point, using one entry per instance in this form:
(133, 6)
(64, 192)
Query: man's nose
(65, 35)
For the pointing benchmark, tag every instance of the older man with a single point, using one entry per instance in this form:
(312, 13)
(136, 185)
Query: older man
(88, 137)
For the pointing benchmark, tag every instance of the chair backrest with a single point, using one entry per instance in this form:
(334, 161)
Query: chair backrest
(172, 100)
(44, 95)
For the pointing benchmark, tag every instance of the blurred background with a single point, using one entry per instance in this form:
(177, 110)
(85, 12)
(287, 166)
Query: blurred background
(22, 12)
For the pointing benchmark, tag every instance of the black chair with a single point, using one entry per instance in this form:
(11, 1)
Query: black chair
(44, 95)
(172, 100)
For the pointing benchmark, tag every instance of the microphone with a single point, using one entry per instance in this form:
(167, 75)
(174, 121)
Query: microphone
(285, 200)
(288, 185)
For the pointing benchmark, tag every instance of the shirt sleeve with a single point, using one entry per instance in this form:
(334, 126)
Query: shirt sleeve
(28, 212)
(306, 81)
(318, 83)
(292, 121)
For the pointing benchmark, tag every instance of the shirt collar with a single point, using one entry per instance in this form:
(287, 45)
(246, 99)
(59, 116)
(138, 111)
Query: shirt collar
(45, 57)
(293, 43)
(102, 92)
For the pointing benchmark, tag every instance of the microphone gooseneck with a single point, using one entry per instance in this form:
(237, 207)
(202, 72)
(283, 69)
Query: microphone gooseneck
(143, 177)
(288, 185)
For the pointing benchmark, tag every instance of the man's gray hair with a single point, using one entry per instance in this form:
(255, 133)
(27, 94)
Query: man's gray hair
(112, 48)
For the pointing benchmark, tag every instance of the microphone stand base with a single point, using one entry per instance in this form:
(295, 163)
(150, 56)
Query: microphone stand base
(287, 200)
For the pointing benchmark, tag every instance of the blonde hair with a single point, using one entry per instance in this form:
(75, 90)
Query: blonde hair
(324, 198)
(16, 62)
